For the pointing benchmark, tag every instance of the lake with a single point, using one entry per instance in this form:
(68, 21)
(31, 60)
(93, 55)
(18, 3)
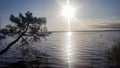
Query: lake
(71, 49)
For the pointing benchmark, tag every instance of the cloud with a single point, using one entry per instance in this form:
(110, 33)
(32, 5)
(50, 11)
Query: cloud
(107, 26)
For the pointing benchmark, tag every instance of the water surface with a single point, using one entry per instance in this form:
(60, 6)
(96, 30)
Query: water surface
(73, 49)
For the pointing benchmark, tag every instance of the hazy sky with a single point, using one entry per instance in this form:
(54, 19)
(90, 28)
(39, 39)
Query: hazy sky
(89, 14)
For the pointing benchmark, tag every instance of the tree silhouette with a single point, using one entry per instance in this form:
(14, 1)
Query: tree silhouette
(26, 27)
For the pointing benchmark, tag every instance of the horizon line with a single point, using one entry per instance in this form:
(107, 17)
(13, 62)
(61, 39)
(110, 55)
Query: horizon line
(83, 31)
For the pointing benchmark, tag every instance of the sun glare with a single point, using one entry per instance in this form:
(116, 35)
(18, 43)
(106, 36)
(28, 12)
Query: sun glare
(68, 11)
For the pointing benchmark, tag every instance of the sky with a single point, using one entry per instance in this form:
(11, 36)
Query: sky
(89, 14)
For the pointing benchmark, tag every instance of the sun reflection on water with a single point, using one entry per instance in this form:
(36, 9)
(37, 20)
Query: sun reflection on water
(69, 49)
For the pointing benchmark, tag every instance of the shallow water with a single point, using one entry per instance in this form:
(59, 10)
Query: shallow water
(73, 49)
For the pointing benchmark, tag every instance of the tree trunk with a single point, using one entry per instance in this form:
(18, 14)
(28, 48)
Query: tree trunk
(11, 44)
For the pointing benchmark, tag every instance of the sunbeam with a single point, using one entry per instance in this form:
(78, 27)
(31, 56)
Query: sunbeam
(68, 12)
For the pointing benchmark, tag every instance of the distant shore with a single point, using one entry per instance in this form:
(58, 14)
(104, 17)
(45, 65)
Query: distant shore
(88, 31)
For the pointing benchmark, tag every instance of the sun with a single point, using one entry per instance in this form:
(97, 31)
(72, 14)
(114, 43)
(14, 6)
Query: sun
(68, 11)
